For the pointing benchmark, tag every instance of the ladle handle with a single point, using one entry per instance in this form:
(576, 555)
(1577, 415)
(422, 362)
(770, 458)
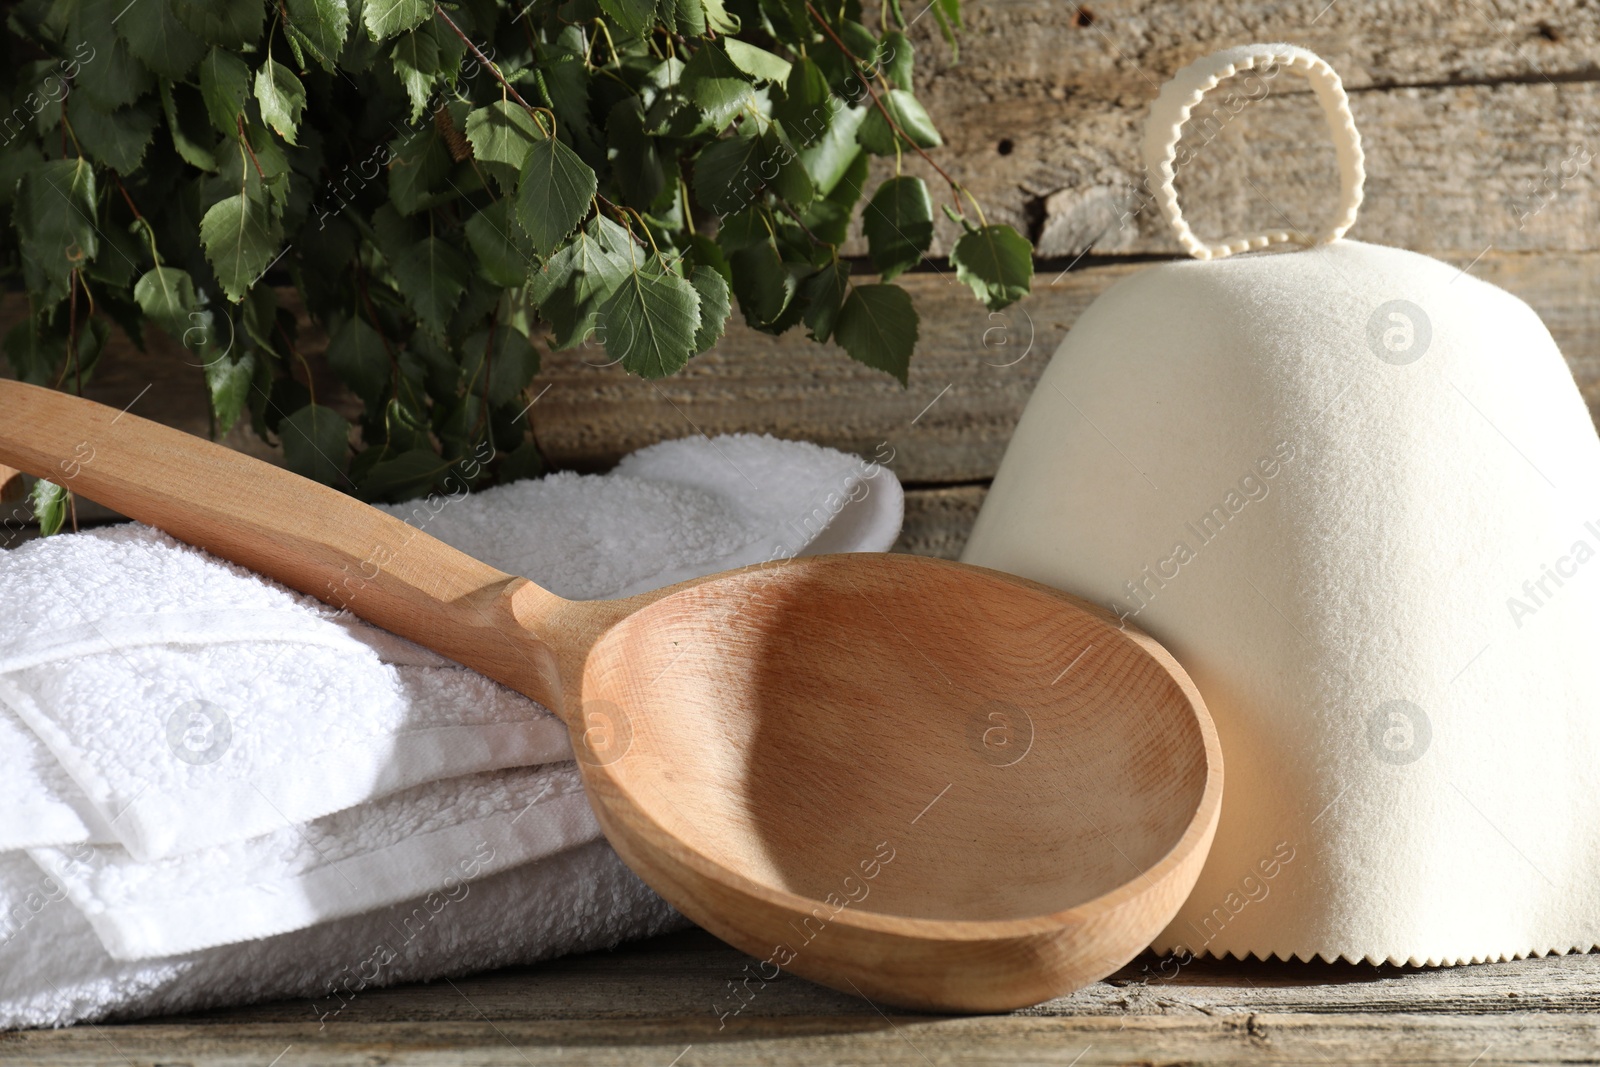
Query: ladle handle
(308, 536)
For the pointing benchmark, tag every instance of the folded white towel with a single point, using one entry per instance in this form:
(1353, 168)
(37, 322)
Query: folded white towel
(353, 861)
(198, 723)
(54, 971)
(179, 723)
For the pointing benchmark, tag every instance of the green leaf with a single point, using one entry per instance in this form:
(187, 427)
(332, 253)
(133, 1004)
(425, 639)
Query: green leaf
(717, 88)
(632, 17)
(524, 461)
(878, 326)
(791, 21)
(759, 63)
(789, 179)
(718, 19)
(224, 84)
(635, 162)
(807, 105)
(516, 361)
(502, 135)
(762, 283)
(420, 163)
(166, 295)
(117, 266)
(404, 476)
(385, 18)
(55, 220)
(37, 350)
(118, 140)
(415, 58)
(225, 23)
(824, 292)
(186, 124)
(229, 384)
(241, 237)
(689, 17)
(360, 50)
(281, 96)
(898, 56)
(416, 62)
(501, 248)
(947, 13)
(155, 35)
(702, 251)
(432, 275)
(91, 345)
(898, 224)
(14, 163)
(861, 42)
(715, 306)
(569, 289)
(108, 74)
(34, 353)
(357, 355)
(877, 137)
(829, 159)
(49, 503)
(263, 172)
(553, 193)
(316, 443)
(847, 193)
(818, 123)
(260, 316)
(996, 263)
(651, 323)
(511, 363)
(321, 27)
(727, 173)
(565, 83)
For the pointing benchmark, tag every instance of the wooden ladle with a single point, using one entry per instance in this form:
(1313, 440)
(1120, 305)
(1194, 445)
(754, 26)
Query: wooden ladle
(931, 784)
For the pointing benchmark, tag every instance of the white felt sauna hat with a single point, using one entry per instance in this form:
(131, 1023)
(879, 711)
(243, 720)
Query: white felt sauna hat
(1354, 490)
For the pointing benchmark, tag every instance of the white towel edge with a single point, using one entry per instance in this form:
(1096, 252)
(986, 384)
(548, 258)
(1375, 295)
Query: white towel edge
(270, 908)
(151, 827)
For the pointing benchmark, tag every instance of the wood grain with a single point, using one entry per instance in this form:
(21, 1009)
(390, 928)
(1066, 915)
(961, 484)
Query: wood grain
(650, 1003)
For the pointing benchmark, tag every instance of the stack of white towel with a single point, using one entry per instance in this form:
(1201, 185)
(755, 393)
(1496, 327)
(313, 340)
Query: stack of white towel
(216, 790)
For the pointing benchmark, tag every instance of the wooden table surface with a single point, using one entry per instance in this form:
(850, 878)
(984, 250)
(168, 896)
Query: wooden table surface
(650, 1003)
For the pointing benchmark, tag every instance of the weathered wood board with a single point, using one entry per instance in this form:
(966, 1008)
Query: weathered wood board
(652, 1003)
(1466, 108)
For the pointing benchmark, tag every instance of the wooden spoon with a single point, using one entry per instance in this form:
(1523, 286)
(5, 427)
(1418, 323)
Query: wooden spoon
(934, 785)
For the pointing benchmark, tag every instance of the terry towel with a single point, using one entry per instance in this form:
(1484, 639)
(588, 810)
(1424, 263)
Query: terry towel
(205, 758)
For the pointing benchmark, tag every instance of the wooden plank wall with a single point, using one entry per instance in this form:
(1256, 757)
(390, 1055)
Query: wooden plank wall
(1479, 119)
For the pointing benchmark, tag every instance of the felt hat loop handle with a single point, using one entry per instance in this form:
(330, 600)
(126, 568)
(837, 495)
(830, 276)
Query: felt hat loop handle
(1178, 98)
